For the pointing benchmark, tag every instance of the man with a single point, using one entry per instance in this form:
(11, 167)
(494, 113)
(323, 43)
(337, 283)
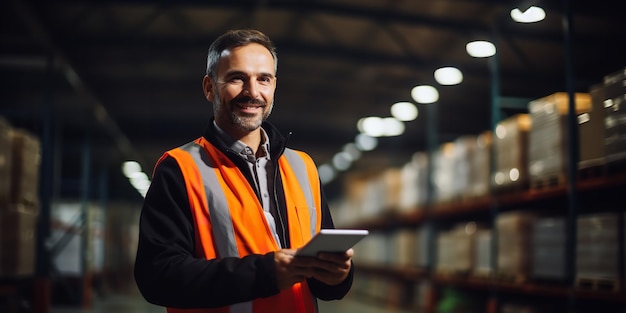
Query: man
(226, 213)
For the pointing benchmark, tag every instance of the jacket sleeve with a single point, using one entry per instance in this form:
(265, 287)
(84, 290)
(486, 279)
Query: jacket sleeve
(166, 271)
(321, 290)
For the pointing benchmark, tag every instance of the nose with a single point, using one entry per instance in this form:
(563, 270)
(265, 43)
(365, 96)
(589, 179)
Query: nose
(251, 88)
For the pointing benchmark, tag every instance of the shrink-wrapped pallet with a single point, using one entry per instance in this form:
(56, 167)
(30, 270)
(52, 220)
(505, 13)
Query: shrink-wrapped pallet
(18, 226)
(548, 155)
(548, 246)
(424, 253)
(455, 249)
(470, 166)
(414, 187)
(408, 247)
(483, 253)
(510, 145)
(359, 202)
(404, 245)
(374, 249)
(597, 251)
(480, 170)
(464, 147)
(591, 130)
(443, 174)
(26, 158)
(514, 253)
(373, 204)
(615, 115)
(391, 188)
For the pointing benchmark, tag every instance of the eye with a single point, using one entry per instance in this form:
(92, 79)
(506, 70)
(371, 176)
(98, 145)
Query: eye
(266, 80)
(236, 80)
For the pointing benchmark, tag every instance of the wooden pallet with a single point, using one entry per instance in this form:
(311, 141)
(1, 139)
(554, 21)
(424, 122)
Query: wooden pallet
(451, 274)
(615, 164)
(601, 168)
(511, 188)
(518, 278)
(592, 170)
(483, 275)
(548, 181)
(598, 284)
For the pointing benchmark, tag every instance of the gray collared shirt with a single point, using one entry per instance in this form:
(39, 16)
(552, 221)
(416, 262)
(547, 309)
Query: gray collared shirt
(262, 170)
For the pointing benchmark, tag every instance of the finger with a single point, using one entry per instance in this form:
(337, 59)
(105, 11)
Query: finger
(330, 278)
(335, 257)
(328, 262)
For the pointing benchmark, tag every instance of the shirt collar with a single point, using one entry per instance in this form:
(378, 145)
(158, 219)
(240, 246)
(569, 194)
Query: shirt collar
(241, 148)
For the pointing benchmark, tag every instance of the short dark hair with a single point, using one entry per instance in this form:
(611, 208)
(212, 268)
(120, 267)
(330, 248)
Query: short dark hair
(237, 38)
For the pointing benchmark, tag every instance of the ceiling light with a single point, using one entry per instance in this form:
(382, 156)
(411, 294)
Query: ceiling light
(404, 111)
(480, 49)
(130, 167)
(352, 150)
(448, 76)
(425, 94)
(372, 126)
(341, 161)
(392, 127)
(326, 173)
(365, 142)
(530, 15)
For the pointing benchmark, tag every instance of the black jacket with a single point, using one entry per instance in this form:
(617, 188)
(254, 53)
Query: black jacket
(166, 270)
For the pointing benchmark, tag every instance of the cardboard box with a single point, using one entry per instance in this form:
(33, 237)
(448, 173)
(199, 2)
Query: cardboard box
(591, 127)
(548, 153)
(26, 160)
(510, 145)
(548, 246)
(18, 225)
(5, 160)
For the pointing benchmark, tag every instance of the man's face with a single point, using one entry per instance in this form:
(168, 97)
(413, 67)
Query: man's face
(244, 92)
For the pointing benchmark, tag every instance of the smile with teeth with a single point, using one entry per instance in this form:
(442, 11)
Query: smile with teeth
(247, 106)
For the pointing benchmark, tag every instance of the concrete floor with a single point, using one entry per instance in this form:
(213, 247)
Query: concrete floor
(133, 303)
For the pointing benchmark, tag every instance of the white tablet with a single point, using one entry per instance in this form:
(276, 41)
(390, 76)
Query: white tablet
(332, 240)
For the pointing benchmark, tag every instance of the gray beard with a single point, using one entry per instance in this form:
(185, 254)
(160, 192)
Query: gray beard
(245, 123)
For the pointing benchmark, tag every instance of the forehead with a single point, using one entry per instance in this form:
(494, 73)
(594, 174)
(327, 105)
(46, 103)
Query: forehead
(251, 58)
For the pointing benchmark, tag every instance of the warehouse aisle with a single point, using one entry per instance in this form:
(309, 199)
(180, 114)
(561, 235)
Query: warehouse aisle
(135, 304)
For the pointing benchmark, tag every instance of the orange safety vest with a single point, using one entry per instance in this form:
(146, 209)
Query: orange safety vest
(230, 222)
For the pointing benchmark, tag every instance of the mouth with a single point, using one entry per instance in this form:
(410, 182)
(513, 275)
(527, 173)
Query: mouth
(250, 106)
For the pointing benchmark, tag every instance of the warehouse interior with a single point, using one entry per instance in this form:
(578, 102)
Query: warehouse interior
(100, 83)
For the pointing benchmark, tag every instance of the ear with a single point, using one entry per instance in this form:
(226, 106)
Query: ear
(207, 87)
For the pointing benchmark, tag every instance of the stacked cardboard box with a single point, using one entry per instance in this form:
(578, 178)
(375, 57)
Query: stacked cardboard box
(391, 188)
(455, 249)
(548, 153)
(480, 166)
(6, 154)
(19, 205)
(374, 249)
(483, 253)
(614, 86)
(548, 248)
(414, 183)
(443, 173)
(591, 133)
(510, 145)
(405, 245)
(597, 251)
(17, 240)
(514, 245)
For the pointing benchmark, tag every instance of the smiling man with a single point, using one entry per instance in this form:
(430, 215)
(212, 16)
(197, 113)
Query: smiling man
(226, 213)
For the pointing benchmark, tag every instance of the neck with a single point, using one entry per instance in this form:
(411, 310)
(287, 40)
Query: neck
(251, 139)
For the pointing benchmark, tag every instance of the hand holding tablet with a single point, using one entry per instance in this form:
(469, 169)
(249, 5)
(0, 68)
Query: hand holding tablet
(332, 240)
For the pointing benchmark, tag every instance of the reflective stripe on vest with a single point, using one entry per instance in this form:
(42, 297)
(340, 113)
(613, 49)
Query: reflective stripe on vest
(229, 218)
